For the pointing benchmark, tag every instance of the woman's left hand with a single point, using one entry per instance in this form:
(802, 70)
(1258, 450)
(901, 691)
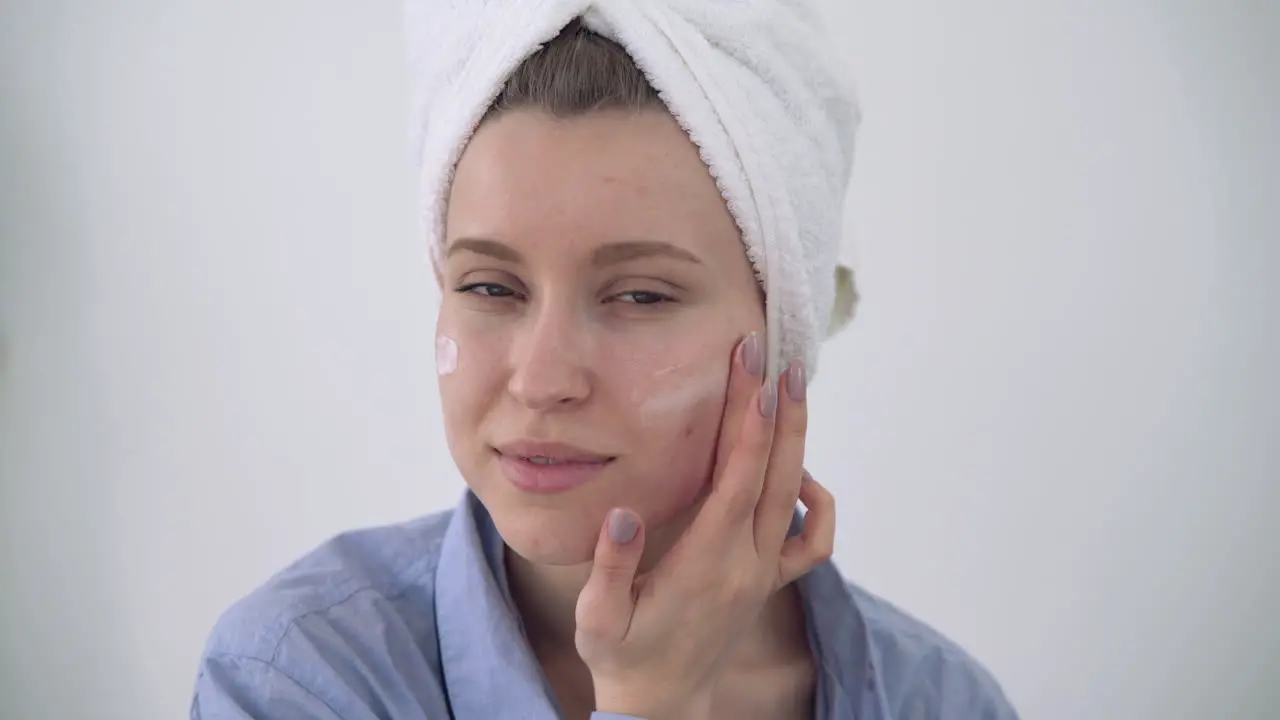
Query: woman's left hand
(655, 644)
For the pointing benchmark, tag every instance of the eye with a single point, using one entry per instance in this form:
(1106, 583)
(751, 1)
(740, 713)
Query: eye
(643, 297)
(490, 290)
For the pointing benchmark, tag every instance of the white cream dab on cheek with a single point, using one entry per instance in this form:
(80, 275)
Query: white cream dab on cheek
(658, 405)
(446, 355)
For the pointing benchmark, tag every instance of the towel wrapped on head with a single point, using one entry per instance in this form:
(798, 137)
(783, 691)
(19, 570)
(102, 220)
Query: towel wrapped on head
(748, 80)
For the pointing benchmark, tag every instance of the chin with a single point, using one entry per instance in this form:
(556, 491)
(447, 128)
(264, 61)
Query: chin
(546, 535)
(563, 529)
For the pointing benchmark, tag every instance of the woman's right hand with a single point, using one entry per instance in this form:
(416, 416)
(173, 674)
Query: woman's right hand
(655, 643)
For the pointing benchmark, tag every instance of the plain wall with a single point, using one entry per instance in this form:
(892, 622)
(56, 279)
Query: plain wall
(1052, 431)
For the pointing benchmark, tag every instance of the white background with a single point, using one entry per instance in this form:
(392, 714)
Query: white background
(1053, 430)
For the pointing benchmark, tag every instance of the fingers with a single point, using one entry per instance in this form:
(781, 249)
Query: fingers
(814, 544)
(746, 373)
(743, 449)
(604, 608)
(730, 508)
(786, 464)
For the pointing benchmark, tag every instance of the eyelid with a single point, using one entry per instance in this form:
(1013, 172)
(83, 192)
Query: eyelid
(643, 283)
(663, 298)
(490, 276)
(470, 288)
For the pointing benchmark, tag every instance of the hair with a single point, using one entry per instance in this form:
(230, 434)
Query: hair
(577, 72)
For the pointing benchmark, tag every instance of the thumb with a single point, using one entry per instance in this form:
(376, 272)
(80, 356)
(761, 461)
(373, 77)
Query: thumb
(605, 605)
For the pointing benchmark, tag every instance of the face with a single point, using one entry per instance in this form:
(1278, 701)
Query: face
(595, 286)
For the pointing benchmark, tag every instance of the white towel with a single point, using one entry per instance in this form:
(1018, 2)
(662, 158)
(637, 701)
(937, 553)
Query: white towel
(749, 80)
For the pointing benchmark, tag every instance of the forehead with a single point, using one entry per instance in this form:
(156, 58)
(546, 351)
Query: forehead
(573, 183)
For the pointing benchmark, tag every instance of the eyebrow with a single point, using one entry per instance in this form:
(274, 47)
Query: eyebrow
(605, 255)
(481, 246)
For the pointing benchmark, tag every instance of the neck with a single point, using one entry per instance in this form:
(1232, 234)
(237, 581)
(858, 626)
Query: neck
(547, 596)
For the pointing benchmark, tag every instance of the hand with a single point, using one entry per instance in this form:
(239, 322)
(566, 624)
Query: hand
(654, 644)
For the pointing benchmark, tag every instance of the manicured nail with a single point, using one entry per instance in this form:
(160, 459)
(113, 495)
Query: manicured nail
(753, 355)
(622, 526)
(769, 398)
(795, 381)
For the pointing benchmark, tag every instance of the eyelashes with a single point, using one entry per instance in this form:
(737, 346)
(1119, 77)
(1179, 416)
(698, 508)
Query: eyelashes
(498, 292)
(488, 290)
(645, 297)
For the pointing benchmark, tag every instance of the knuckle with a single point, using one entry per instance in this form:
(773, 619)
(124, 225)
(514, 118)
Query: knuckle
(798, 424)
(823, 549)
(611, 574)
(588, 620)
(760, 441)
(592, 629)
(828, 503)
(589, 624)
(741, 589)
(742, 502)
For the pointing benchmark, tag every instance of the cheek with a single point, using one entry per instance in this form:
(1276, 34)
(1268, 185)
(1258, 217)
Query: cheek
(682, 458)
(469, 369)
(463, 354)
(446, 355)
(675, 402)
(673, 389)
(696, 441)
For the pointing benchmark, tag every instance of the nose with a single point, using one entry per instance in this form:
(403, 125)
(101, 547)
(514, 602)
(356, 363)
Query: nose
(549, 361)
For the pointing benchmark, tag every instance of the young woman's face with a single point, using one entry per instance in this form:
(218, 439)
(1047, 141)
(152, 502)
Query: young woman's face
(595, 286)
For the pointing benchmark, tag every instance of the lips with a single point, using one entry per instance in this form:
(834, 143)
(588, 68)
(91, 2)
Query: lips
(551, 453)
(549, 467)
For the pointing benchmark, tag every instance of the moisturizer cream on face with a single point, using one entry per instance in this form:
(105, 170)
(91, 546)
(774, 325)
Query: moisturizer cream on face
(446, 355)
(676, 392)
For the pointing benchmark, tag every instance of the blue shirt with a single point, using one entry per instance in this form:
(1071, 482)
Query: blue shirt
(414, 622)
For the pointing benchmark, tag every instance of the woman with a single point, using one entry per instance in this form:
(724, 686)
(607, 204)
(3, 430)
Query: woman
(629, 546)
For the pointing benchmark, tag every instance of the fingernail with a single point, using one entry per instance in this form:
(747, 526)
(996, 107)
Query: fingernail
(795, 381)
(753, 355)
(806, 477)
(622, 526)
(769, 398)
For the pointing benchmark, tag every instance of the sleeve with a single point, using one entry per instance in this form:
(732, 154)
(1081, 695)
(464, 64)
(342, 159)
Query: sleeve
(230, 687)
(965, 690)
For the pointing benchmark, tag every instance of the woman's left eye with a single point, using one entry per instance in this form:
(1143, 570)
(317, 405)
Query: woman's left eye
(643, 297)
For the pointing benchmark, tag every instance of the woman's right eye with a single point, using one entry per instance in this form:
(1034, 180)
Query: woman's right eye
(491, 290)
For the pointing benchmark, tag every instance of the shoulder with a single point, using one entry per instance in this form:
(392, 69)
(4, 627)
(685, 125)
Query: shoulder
(921, 673)
(349, 617)
(354, 568)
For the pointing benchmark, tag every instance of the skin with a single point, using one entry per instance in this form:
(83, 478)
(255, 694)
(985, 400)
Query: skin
(596, 287)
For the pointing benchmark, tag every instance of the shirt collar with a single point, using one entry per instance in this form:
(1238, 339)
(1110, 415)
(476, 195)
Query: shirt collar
(489, 670)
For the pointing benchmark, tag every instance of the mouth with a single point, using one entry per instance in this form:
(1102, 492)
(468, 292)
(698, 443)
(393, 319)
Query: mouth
(542, 460)
(551, 453)
(549, 467)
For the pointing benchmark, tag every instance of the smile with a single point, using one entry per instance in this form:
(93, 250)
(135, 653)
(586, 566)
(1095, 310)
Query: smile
(540, 460)
(549, 468)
